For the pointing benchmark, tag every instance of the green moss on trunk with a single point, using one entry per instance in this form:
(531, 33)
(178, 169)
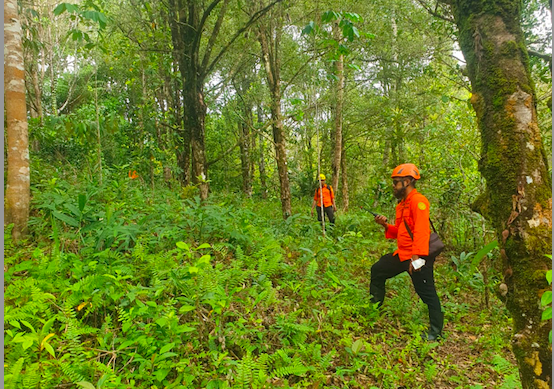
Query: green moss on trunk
(518, 195)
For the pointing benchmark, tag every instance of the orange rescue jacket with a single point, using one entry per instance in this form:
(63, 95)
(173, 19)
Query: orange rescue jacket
(415, 210)
(328, 196)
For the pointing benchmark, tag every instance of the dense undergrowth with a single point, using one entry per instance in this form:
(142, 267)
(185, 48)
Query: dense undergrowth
(125, 286)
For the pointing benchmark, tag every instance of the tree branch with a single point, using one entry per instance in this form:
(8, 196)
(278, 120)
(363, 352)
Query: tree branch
(252, 20)
(215, 33)
(435, 13)
(543, 56)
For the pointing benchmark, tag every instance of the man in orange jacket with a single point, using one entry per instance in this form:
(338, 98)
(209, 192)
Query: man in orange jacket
(328, 195)
(412, 212)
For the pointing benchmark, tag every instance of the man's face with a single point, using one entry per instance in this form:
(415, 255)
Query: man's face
(322, 182)
(399, 188)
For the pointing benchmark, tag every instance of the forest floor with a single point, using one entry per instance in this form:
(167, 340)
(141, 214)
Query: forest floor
(169, 293)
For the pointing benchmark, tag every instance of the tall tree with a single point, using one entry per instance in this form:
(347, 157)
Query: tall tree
(518, 198)
(195, 44)
(338, 100)
(270, 40)
(18, 188)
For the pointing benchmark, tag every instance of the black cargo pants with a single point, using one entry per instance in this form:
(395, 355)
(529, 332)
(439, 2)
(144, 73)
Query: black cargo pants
(390, 266)
(328, 211)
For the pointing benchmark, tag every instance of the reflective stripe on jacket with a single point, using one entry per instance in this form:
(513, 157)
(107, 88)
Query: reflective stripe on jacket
(415, 210)
(328, 196)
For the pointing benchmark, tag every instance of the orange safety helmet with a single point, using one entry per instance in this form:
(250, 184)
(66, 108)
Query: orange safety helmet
(406, 170)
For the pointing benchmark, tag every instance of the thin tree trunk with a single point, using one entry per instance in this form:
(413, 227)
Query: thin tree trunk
(339, 101)
(18, 173)
(261, 164)
(270, 44)
(518, 197)
(244, 132)
(344, 180)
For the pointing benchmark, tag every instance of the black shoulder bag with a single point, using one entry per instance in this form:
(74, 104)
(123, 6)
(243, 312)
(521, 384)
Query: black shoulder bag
(435, 243)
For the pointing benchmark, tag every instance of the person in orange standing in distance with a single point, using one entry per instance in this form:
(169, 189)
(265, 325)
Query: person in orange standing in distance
(412, 255)
(329, 206)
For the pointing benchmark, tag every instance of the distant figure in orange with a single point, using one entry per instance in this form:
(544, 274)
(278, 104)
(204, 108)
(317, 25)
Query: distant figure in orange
(133, 174)
(329, 206)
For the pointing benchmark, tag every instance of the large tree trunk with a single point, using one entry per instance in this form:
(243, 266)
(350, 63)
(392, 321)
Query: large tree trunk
(176, 13)
(194, 117)
(518, 198)
(339, 101)
(270, 44)
(18, 180)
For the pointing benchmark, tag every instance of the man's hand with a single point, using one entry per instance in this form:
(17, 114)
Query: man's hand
(334, 208)
(382, 220)
(411, 269)
(312, 212)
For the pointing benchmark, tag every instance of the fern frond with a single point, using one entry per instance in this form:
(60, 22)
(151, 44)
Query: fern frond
(10, 380)
(31, 377)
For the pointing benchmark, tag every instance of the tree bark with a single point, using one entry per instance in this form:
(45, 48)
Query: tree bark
(261, 163)
(194, 119)
(344, 180)
(518, 198)
(339, 101)
(18, 178)
(244, 133)
(182, 138)
(270, 44)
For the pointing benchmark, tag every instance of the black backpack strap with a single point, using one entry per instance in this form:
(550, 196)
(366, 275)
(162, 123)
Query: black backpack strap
(408, 228)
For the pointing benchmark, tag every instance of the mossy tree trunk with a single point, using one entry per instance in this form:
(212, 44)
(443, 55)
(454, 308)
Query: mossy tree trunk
(518, 197)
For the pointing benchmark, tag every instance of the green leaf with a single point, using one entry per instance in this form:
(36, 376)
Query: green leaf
(161, 374)
(167, 347)
(66, 219)
(545, 299)
(162, 321)
(308, 29)
(82, 202)
(125, 344)
(46, 327)
(182, 245)
(193, 270)
(86, 385)
(27, 342)
(204, 246)
(484, 251)
(357, 346)
(50, 350)
(548, 276)
(73, 209)
(329, 16)
(204, 259)
(445, 99)
(28, 325)
(61, 8)
(165, 356)
(184, 328)
(186, 308)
